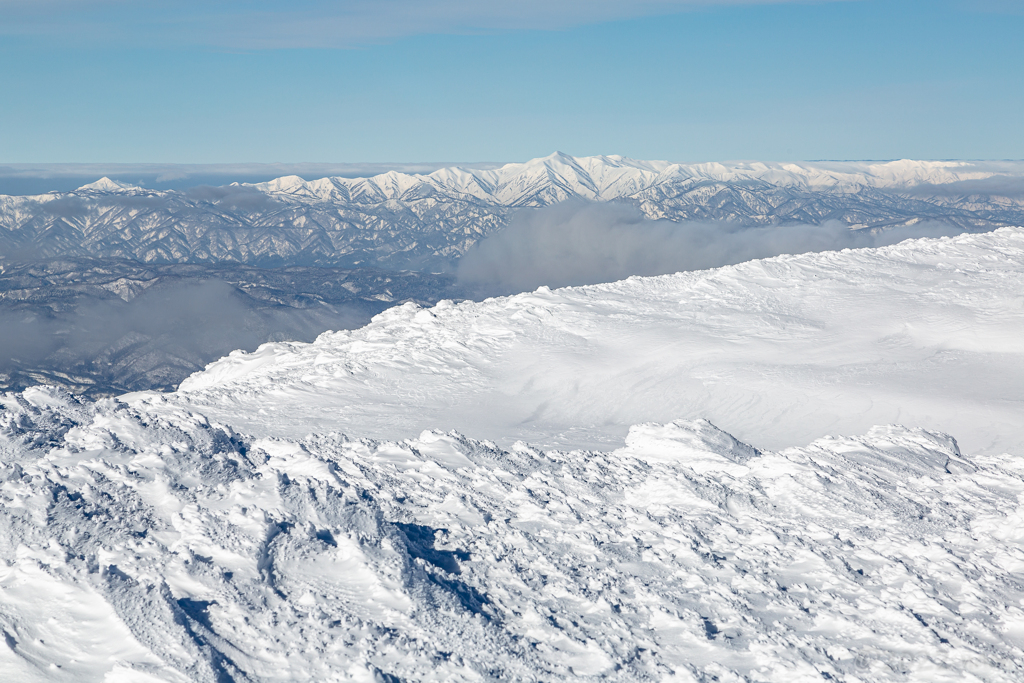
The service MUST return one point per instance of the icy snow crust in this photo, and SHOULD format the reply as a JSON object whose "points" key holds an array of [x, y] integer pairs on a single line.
{"points": [[927, 333], [158, 546], [233, 532]]}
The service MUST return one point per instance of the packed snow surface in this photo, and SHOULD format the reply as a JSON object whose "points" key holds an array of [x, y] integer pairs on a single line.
{"points": [[158, 546], [781, 351], [572, 508]]}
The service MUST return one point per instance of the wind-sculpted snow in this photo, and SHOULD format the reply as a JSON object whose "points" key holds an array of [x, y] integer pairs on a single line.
{"points": [[779, 351], [278, 519], [410, 220], [155, 545]]}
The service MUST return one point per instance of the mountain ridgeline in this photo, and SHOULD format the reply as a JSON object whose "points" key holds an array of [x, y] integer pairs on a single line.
{"points": [[402, 221], [114, 287]]}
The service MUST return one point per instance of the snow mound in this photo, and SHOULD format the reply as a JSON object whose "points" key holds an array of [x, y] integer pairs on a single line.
{"points": [[782, 351], [159, 546]]}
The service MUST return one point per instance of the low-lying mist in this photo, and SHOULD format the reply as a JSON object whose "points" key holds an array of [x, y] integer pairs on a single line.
{"points": [[580, 243], [156, 339], [106, 327]]}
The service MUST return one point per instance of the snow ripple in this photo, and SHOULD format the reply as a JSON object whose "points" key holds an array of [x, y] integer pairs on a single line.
{"points": [[157, 546]]}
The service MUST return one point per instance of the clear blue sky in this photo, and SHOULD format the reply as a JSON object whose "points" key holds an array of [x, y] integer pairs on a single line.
{"points": [[408, 80]]}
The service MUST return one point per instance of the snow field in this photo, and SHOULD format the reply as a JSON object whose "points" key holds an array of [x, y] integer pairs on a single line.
{"points": [[277, 519], [780, 351], [159, 546]]}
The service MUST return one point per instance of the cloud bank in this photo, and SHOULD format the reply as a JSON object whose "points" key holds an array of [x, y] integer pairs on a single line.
{"points": [[580, 243], [182, 318], [1011, 186], [155, 339]]}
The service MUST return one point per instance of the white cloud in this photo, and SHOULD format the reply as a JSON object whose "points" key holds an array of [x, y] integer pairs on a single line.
{"points": [[580, 243]]}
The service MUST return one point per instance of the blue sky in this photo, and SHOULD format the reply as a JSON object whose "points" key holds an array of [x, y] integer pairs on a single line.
{"points": [[182, 81]]}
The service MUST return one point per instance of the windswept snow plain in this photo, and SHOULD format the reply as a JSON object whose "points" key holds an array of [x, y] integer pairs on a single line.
{"points": [[283, 516], [927, 333]]}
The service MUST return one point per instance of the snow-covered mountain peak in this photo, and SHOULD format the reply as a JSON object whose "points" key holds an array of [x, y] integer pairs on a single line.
{"points": [[553, 160], [560, 175], [105, 184], [285, 184], [609, 177], [907, 172]]}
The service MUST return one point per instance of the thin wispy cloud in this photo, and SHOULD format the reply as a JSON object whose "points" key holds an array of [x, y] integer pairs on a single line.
{"points": [[315, 23]]}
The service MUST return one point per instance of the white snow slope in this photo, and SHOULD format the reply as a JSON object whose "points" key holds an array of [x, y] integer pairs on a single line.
{"points": [[781, 351], [231, 532]]}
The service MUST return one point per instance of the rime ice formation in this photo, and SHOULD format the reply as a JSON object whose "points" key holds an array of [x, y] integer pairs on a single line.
{"points": [[246, 528], [160, 546]]}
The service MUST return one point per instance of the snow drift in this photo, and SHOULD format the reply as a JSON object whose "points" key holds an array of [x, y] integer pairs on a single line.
{"points": [[157, 546], [780, 352]]}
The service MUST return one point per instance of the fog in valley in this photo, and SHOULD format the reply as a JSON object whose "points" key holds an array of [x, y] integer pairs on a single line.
{"points": [[113, 287], [581, 243], [104, 327]]}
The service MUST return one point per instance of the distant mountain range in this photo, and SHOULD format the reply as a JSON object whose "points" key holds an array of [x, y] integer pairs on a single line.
{"points": [[426, 222]]}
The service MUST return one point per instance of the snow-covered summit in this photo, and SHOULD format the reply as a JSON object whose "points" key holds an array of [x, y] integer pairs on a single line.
{"points": [[105, 184], [254, 525]]}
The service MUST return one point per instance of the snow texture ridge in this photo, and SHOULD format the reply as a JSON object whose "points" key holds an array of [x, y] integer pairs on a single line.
{"points": [[279, 519], [779, 351], [158, 546]]}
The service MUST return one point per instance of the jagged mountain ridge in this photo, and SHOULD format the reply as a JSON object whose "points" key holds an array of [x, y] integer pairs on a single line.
{"points": [[400, 220]]}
